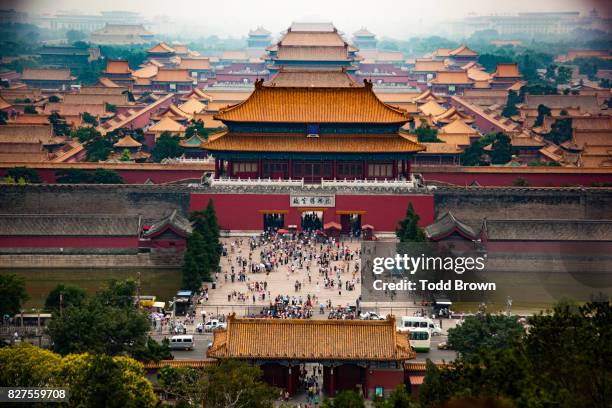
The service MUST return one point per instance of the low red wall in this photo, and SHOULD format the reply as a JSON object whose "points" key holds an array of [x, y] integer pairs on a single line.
{"points": [[242, 211], [388, 379], [68, 242]]}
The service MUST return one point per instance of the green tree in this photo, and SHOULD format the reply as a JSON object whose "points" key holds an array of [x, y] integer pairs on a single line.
{"points": [[60, 127], [196, 127], [98, 148], [510, 109], [236, 384], [560, 131], [74, 35], [528, 372], [107, 323], [105, 176], [12, 294], [28, 174], [86, 134], [345, 399], [110, 107], [564, 75], [427, 134], [72, 176], [167, 146], [543, 111], [125, 155], [89, 118], [3, 117], [501, 149], [484, 332], [472, 155], [24, 365], [196, 267], [30, 109], [105, 381], [54, 99], [520, 182], [70, 296], [230, 384], [408, 229]]}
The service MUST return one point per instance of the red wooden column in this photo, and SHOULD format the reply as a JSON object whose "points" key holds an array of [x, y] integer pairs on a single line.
{"points": [[332, 382], [394, 169], [290, 169], [230, 168], [290, 389], [216, 168], [259, 168], [364, 170], [334, 171], [408, 168]]}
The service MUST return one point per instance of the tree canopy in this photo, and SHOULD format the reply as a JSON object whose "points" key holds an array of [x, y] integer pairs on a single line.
{"points": [[562, 361], [167, 146], [93, 380], [484, 332], [427, 134], [28, 174], [12, 294], [107, 323], [408, 229], [70, 296], [232, 383]]}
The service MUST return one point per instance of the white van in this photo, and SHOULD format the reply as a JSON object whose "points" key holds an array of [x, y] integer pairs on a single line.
{"points": [[184, 342], [409, 322], [420, 339]]}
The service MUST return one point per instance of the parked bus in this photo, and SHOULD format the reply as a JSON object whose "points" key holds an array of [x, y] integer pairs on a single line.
{"points": [[420, 339]]}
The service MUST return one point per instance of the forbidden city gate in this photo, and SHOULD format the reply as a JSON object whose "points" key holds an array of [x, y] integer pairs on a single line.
{"points": [[358, 355]]}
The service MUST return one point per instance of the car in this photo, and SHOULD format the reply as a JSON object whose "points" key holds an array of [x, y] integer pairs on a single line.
{"points": [[213, 325], [184, 342], [371, 316], [443, 346]]}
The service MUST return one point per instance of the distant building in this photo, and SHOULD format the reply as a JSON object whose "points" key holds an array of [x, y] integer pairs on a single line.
{"points": [[312, 46], [525, 25], [364, 39], [88, 22], [121, 34], [68, 56], [259, 38], [48, 79]]}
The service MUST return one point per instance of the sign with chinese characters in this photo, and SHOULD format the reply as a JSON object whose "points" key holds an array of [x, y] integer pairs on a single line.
{"points": [[312, 200]]}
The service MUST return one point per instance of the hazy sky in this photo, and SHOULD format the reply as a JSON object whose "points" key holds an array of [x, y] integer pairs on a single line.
{"points": [[394, 18]]}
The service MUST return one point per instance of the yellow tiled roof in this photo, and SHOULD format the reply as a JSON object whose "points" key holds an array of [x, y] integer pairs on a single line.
{"points": [[432, 108], [167, 125], [458, 127], [463, 50], [192, 106], [274, 339], [507, 71], [172, 75], [117, 67], [313, 105], [313, 53], [127, 141], [451, 78], [161, 47], [423, 65], [194, 63], [326, 39], [291, 142]]}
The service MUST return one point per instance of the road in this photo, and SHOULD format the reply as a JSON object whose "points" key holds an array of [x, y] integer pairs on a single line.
{"points": [[201, 342], [435, 355]]}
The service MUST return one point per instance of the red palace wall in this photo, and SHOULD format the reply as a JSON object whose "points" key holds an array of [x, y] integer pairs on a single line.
{"points": [[68, 242], [243, 211], [388, 379]]}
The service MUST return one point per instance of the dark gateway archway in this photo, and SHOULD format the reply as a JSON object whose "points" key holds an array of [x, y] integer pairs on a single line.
{"points": [[355, 354]]}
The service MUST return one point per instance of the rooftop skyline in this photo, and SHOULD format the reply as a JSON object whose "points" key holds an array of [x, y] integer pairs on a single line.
{"points": [[386, 18]]}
